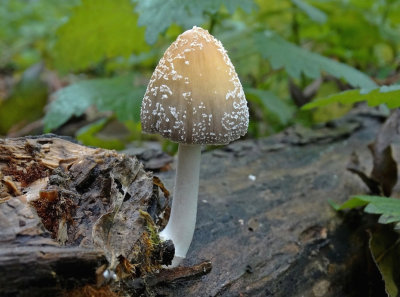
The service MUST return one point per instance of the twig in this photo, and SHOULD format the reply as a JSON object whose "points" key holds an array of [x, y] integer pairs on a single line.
{"points": [[178, 274]]}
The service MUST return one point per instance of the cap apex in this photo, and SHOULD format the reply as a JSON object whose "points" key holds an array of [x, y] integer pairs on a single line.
{"points": [[194, 95]]}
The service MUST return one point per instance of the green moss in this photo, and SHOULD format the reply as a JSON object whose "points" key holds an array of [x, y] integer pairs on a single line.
{"points": [[151, 228]]}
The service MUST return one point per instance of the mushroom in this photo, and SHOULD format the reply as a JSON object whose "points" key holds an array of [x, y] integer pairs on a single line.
{"points": [[195, 98]]}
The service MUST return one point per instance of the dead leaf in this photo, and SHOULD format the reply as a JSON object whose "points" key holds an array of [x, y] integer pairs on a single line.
{"points": [[384, 174], [384, 245], [355, 167], [385, 167], [158, 182]]}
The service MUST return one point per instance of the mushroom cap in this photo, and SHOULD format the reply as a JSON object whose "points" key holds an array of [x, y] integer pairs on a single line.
{"points": [[194, 95]]}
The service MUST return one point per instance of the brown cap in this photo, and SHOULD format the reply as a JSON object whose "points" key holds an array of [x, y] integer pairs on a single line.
{"points": [[194, 95]]}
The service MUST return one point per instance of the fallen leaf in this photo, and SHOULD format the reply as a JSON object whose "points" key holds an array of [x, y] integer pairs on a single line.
{"points": [[384, 245], [355, 167], [385, 167]]}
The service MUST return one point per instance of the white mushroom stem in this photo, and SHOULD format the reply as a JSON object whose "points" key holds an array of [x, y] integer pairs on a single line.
{"points": [[182, 221]]}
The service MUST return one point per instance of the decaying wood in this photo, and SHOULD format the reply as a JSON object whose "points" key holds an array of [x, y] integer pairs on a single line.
{"points": [[264, 221], [67, 209], [153, 284]]}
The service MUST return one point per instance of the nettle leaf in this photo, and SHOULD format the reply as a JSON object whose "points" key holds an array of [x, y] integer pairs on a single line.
{"points": [[296, 60], [232, 5], [388, 208], [98, 30], [313, 13], [108, 94], [390, 95], [158, 15], [272, 104]]}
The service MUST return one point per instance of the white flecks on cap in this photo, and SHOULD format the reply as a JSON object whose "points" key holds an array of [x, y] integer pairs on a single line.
{"points": [[194, 95]]}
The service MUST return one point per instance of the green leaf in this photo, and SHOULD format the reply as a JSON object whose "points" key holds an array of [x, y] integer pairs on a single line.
{"points": [[98, 30], [313, 13], [384, 243], [385, 251], [158, 15], [88, 136], [115, 94], [236, 38], [27, 101], [390, 95], [27, 29], [273, 105], [297, 60], [388, 208], [232, 5]]}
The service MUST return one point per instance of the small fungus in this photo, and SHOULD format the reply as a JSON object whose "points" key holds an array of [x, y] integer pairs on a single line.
{"points": [[200, 101]]}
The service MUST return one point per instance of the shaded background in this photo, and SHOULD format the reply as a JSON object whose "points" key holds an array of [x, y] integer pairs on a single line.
{"points": [[80, 68]]}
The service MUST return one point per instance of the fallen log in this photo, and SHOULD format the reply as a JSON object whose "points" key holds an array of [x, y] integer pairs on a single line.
{"points": [[264, 222], [264, 219], [68, 213]]}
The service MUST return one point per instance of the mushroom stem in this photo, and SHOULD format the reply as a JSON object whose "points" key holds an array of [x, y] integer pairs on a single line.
{"points": [[182, 221]]}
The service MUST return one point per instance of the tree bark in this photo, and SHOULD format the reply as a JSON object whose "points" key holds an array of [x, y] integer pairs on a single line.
{"points": [[69, 212], [264, 219]]}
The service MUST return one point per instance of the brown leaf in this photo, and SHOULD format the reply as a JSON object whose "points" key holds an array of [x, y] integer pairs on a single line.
{"points": [[384, 174], [355, 167], [385, 167], [158, 182], [384, 245]]}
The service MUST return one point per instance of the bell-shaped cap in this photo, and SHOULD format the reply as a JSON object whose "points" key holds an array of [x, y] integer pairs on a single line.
{"points": [[194, 95]]}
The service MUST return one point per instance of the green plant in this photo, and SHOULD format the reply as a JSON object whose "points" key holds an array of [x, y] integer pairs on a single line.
{"points": [[384, 244], [285, 52], [294, 58], [389, 95], [381, 181]]}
